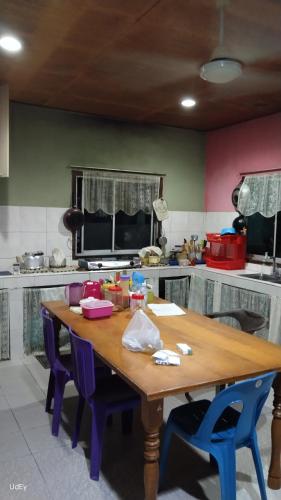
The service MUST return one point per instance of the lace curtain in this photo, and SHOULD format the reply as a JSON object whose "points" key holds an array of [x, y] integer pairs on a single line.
{"points": [[260, 193], [275, 320], [201, 295], [114, 191], [177, 291], [4, 325], [238, 298], [33, 339]]}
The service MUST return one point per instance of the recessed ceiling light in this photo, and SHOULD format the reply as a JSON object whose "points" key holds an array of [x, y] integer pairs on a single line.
{"points": [[188, 102], [10, 43]]}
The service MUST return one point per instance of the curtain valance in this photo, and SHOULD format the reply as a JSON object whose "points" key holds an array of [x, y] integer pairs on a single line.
{"points": [[114, 191], [260, 193]]}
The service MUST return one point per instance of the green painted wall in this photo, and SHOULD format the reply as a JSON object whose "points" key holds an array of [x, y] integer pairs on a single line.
{"points": [[43, 142]]}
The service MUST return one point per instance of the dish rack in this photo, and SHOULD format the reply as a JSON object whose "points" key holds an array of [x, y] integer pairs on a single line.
{"points": [[226, 252]]}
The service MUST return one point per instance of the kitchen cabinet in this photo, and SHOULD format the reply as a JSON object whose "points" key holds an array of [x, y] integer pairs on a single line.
{"points": [[207, 298], [4, 325]]}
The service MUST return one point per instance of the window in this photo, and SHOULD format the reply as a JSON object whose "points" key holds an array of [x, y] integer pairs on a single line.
{"points": [[260, 201], [260, 235], [119, 218]]}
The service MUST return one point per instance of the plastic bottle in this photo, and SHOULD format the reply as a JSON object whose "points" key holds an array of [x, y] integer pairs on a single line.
{"points": [[137, 302]]}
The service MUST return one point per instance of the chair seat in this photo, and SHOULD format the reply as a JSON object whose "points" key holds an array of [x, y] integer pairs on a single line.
{"points": [[112, 390], [190, 416]]}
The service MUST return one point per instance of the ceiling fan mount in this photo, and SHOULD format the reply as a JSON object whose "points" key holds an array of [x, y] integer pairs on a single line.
{"points": [[220, 68]]}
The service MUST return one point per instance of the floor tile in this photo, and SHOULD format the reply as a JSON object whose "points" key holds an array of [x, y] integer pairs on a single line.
{"points": [[40, 438], [12, 445], [33, 415], [4, 405], [22, 471], [8, 422]]}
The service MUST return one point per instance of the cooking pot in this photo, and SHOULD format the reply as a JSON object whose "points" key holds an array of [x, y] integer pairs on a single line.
{"points": [[31, 260]]}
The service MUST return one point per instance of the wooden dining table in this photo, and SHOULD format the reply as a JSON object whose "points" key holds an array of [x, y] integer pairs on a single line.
{"points": [[221, 354]]}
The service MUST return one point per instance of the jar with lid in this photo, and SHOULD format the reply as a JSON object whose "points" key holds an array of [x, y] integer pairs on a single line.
{"points": [[124, 284], [105, 293], [137, 302], [115, 296]]}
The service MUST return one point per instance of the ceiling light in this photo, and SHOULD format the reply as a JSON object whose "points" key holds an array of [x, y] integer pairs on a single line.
{"points": [[10, 43], [188, 102], [221, 70]]}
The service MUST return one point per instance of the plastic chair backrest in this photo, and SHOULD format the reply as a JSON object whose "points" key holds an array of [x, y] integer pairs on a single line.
{"points": [[49, 337], [249, 321], [83, 365], [252, 393]]}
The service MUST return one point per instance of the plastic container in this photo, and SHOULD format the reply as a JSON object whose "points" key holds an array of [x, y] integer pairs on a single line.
{"points": [[137, 302], [73, 293], [92, 289], [226, 252], [124, 284], [97, 309], [115, 294]]}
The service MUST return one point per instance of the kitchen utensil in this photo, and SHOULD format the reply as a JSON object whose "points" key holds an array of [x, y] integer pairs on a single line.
{"points": [[73, 219], [32, 260], [73, 293], [92, 289]]}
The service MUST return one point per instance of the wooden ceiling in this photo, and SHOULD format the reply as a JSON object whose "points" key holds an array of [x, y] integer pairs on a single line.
{"points": [[134, 60]]}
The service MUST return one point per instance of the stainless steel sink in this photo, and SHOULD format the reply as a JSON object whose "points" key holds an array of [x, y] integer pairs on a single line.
{"points": [[264, 277]]}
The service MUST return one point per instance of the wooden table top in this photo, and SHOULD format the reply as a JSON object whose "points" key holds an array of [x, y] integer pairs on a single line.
{"points": [[220, 353]]}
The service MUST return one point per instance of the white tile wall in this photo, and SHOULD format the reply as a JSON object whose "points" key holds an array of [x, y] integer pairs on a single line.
{"points": [[27, 229], [41, 228]]}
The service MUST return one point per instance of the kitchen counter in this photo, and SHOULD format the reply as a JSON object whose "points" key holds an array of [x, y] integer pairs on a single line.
{"points": [[15, 284]]}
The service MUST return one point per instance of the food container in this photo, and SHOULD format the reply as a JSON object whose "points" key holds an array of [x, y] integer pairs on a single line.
{"points": [[124, 284], [153, 260], [97, 309], [73, 293], [116, 297]]}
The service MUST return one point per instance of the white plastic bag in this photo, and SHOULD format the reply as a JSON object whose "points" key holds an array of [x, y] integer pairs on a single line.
{"points": [[141, 334]]}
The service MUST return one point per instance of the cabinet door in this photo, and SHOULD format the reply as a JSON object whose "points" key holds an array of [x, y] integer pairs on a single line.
{"points": [[4, 325]]}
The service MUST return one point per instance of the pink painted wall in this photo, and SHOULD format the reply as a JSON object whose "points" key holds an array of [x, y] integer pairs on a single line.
{"points": [[246, 147]]}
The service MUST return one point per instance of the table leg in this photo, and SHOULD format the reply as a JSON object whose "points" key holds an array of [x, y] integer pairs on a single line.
{"points": [[152, 418], [274, 474]]}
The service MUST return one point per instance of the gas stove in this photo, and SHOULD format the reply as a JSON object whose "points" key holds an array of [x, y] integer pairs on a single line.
{"points": [[106, 265]]}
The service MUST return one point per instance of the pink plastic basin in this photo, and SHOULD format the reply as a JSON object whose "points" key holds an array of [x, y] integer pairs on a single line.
{"points": [[99, 311]]}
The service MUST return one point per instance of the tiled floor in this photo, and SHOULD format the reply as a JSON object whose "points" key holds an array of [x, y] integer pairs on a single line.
{"points": [[50, 469]]}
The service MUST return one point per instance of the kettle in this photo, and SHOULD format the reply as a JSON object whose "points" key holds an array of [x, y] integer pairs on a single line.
{"points": [[92, 289], [73, 293]]}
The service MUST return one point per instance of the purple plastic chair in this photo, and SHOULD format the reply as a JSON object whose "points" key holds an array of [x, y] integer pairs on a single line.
{"points": [[61, 370], [109, 395]]}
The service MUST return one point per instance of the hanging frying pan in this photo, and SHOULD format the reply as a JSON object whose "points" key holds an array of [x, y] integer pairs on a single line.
{"points": [[235, 194], [73, 219]]}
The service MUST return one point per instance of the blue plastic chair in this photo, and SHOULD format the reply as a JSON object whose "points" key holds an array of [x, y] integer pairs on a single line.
{"points": [[60, 370], [219, 429], [104, 396]]}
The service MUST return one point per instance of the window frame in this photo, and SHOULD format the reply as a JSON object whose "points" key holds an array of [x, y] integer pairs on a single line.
{"points": [[155, 227]]}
